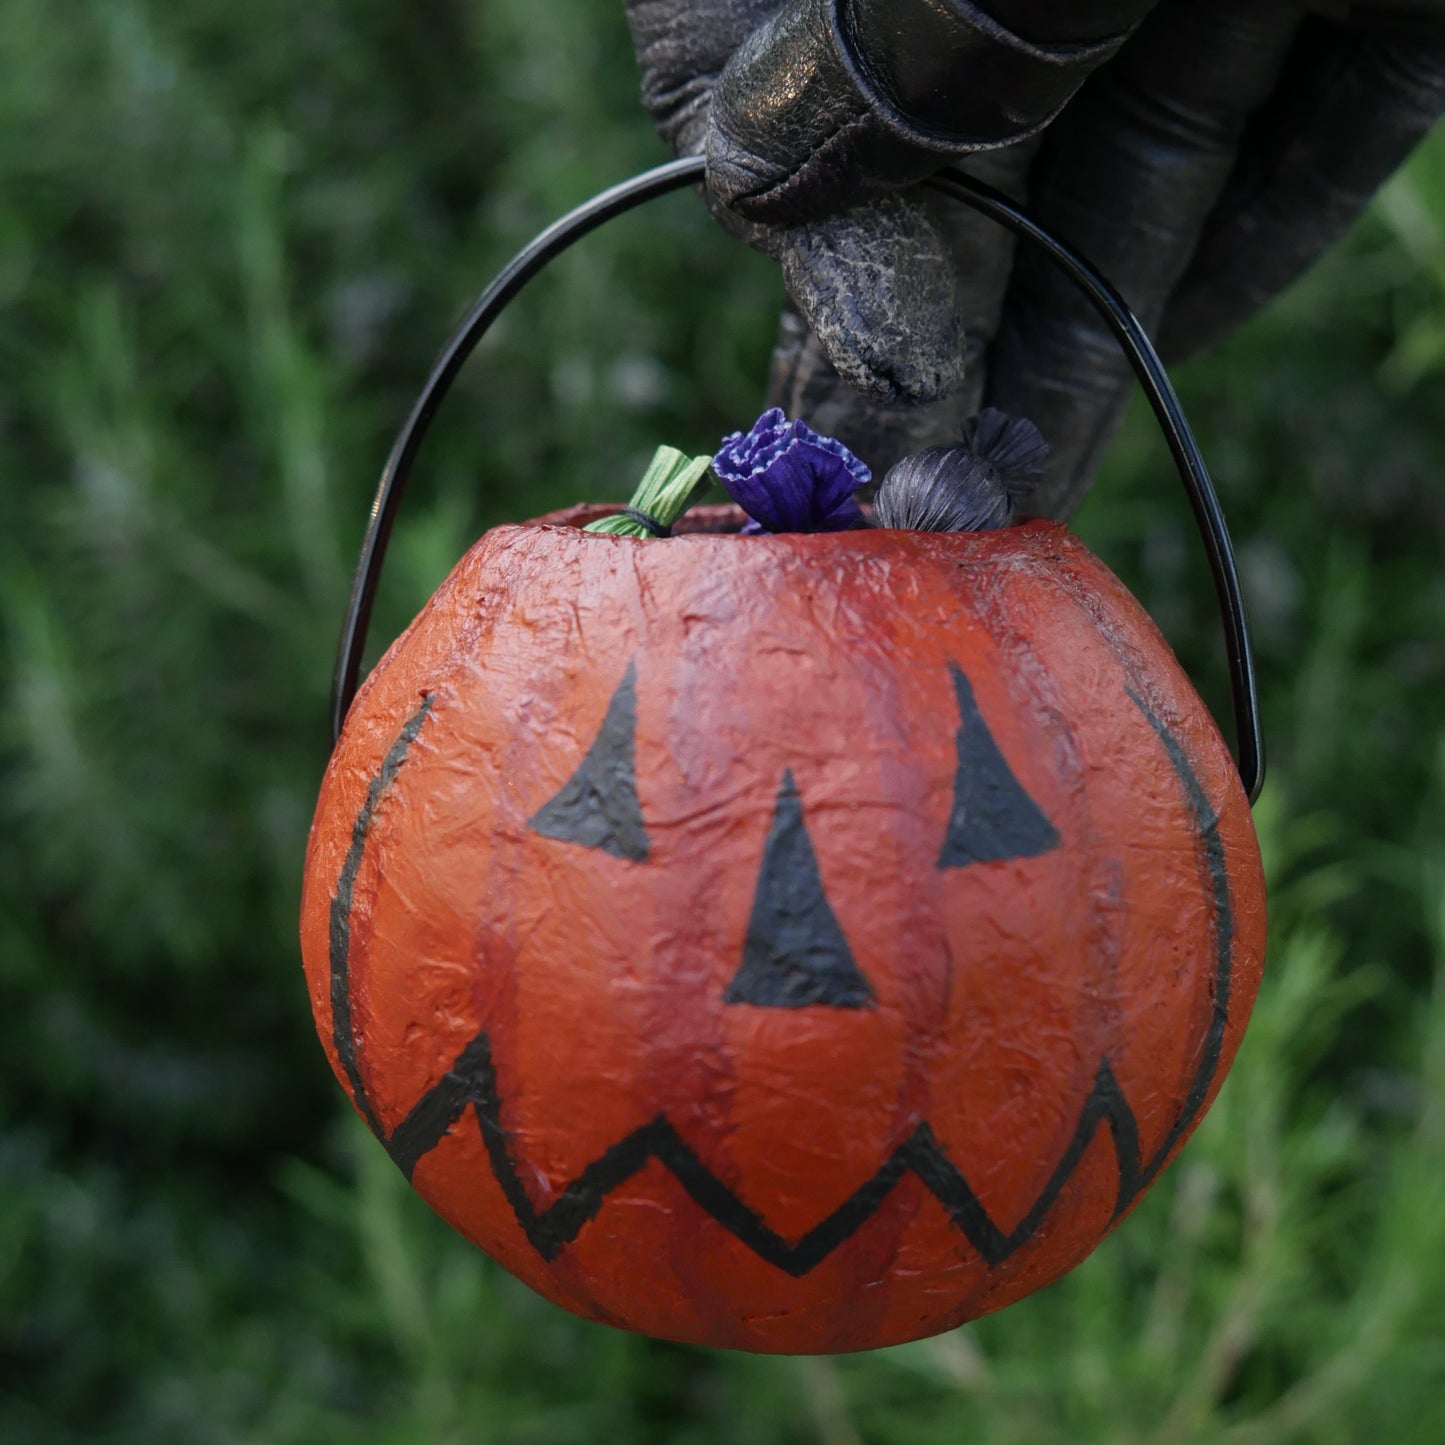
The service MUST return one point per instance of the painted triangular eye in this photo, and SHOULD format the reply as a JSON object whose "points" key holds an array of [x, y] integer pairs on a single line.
{"points": [[795, 953], [597, 806], [993, 816]]}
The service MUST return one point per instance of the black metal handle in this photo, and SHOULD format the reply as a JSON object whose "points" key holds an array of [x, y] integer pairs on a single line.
{"points": [[674, 176]]}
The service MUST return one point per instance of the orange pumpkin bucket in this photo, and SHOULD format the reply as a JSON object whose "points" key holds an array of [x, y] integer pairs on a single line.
{"points": [[798, 942]]}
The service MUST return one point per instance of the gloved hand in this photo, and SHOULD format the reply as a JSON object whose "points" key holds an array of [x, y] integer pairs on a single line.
{"points": [[1201, 152]]}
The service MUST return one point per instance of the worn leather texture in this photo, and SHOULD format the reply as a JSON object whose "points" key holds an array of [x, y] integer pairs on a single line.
{"points": [[1201, 152], [830, 102]]}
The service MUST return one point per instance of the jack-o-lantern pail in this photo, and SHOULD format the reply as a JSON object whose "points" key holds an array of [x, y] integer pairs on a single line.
{"points": [[789, 942]]}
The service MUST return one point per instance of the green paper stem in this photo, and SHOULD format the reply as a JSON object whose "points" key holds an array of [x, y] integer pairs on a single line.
{"points": [[670, 486]]}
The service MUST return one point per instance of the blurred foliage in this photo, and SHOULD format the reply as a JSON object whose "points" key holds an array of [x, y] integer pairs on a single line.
{"points": [[231, 240]]}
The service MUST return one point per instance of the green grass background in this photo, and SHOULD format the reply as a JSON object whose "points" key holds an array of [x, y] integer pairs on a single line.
{"points": [[231, 239]]}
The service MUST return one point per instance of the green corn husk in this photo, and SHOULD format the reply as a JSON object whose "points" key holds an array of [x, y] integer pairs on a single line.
{"points": [[672, 483]]}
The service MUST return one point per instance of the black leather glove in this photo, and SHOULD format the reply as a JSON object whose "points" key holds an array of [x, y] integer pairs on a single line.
{"points": [[1200, 152]]}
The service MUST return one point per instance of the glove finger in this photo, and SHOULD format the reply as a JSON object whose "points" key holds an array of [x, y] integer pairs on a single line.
{"points": [[1127, 175], [681, 50], [978, 254], [874, 283], [1352, 104], [829, 104], [983, 255]]}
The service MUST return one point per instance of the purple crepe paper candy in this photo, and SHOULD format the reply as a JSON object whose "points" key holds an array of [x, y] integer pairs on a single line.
{"points": [[789, 479]]}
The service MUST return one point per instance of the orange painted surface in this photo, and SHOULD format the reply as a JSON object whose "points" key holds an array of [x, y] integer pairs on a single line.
{"points": [[539, 1026]]}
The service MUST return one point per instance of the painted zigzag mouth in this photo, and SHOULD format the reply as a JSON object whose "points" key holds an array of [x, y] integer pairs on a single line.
{"points": [[472, 1083]]}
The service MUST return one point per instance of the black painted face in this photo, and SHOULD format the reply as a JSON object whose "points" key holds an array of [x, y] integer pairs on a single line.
{"points": [[795, 954]]}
